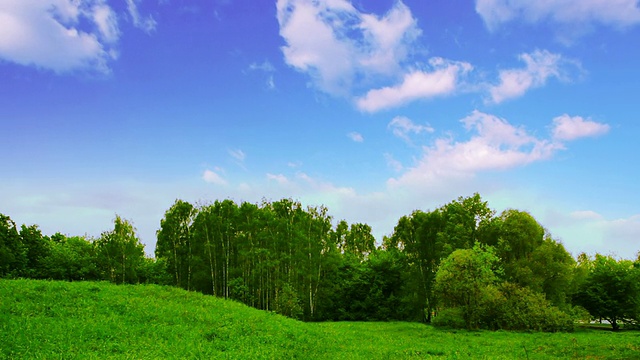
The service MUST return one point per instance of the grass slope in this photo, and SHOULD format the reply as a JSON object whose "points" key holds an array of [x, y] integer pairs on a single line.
{"points": [[55, 320]]}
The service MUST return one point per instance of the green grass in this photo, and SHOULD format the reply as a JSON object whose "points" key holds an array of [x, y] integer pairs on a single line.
{"points": [[59, 320]]}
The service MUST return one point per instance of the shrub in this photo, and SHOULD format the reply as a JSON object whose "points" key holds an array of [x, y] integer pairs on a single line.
{"points": [[524, 309], [451, 318]]}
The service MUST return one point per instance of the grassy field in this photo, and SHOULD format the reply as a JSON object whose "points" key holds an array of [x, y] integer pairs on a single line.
{"points": [[59, 320]]}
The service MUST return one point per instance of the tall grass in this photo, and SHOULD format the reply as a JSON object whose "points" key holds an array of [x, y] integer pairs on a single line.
{"points": [[60, 320]]}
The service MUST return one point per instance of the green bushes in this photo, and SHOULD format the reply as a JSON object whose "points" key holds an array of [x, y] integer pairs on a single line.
{"points": [[452, 318], [514, 308], [473, 298], [523, 309]]}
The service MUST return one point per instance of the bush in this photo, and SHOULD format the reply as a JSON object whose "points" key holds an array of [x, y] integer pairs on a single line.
{"points": [[579, 314], [451, 318], [524, 309], [510, 307]]}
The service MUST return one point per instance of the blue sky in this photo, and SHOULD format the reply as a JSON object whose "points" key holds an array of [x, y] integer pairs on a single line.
{"points": [[372, 108]]}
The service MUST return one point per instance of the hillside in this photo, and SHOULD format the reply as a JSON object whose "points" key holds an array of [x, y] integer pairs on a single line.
{"points": [[48, 319]]}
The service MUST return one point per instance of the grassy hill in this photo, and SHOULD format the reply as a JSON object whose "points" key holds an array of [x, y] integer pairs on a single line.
{"points": [[49, 320]]}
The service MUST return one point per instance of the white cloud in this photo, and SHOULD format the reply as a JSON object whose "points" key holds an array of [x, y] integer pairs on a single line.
{"points": [[416, 85], [357, 137], [336, 44], [617, 13], [46, 34], [238, 154], [591, 232], [539, 66], [567, 128], [107, 23], [403, 127], [146, 24], [393, 163], [586, 215], [387, 38], [63, 35], [279, 178], [267, 68], [213, 178], [495, 144]]}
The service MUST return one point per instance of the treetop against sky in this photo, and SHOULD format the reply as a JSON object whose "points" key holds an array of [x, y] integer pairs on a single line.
{"points": [[372, 108]]}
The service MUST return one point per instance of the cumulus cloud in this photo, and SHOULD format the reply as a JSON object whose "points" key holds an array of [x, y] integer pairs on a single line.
{"points": [[357, 137], [47, 34], [213, 177], [495, 144], [415, 85], [616, 13], [403, 127], [336, 44], [567, 128], [62, 35], [539, 67]]}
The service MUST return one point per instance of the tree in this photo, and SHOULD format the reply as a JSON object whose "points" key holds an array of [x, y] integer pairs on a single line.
{"points": [[611, 291], [70, 258], [417, 236], [466, 280], [359, 241], [553, 268], [287, 302], [174, 242], [13, 258], [36, 250], [463, 221], [120, 253]]}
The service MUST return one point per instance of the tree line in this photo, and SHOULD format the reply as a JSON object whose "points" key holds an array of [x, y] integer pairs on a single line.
{"points": [[460, 265]]}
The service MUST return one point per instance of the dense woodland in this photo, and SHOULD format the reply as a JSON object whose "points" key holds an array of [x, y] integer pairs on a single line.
{"points": [[461, 265]]}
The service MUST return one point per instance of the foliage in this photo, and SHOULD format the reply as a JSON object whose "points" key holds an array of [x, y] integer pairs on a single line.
{"points": [[451, 318], [248, 252], [71, 258], [174, 242], [466, 280], [467, 284], [119, 253], [36, 249], [12, 253], [523, 309], [287, 302], [611, 291]]}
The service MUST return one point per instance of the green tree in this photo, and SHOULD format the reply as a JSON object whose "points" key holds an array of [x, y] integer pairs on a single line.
{"points": [[467, 280], [611, 291], [70, 258], [287, 302], [174, 242], [463, 221], [417, 236], [553, 268], [119, 253], [13, 258], [36, 250]]}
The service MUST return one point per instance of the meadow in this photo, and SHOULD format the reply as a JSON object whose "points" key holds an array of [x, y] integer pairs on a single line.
{"points": [[99, 320]]}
